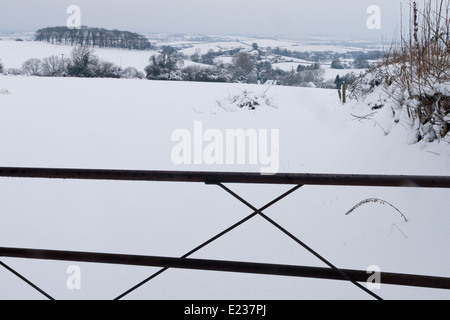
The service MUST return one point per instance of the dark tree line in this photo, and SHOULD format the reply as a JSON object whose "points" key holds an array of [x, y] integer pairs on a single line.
{"points": [[93, 37], [292, 54], [327, 55]]}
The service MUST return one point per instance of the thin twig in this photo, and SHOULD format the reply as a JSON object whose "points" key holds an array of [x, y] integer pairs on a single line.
{"points": [[394, 225], [368, 117], [375, 200]]}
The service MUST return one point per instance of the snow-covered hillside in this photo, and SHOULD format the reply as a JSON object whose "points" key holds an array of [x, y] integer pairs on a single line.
{"points": [[14, 53], [128, 124]]}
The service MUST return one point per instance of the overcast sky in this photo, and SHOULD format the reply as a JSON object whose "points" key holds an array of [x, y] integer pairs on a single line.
{"points": [[340, 18]]}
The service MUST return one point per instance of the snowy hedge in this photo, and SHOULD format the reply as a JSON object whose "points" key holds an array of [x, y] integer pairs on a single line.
{"points": [[413, 78]]}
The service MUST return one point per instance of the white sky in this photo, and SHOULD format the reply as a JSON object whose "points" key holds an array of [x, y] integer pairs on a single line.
{"points": [[341, 18]]}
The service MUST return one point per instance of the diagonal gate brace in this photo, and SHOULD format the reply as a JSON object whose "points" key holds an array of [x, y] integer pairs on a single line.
{"points": [[290, 235], [255, 213]]}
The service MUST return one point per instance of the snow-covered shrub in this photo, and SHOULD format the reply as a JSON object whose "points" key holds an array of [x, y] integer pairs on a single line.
{"points": [[132, 73], [329, 84], [303, 78], [1, 67], [165, 66], [107, 69], [372, 79], [349, 79], [84, 63], [205, 74], [14, 72], [245, 100]]}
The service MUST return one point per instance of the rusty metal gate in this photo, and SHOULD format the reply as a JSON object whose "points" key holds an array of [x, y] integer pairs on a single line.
{"points": [[219, 179]]}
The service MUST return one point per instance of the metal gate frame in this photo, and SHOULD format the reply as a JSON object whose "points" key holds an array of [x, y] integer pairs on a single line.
{"points": [[214, 178]]}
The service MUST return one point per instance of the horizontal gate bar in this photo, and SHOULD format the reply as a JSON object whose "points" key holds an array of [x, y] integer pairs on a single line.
{"points": [[231, 177], [225, 266]]}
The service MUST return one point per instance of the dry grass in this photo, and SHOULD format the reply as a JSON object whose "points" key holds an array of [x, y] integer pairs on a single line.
{"points": [[419, 66]]}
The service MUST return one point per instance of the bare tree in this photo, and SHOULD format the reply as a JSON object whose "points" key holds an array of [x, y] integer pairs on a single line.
{"points": [[32, 67], [52, 66]]}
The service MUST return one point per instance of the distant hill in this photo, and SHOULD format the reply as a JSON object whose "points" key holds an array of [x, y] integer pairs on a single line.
{"points": [[94, 37]]}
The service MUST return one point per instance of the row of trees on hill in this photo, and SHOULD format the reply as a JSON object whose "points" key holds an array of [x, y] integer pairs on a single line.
{"points": [[327, 55], [83, 63], [93, 37]]}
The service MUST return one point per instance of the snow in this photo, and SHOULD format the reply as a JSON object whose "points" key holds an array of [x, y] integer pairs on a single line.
{"points": [[127, 124], [14, 54], [330, 74], [320, 48], [223, 59], [239, 42], [214, 46], [268, 42], [289, 66]]}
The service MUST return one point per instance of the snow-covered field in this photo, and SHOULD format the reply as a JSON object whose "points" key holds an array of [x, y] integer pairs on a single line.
{"points": [[15, 53], [230, 42], [127, 124], [330, 74]]}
